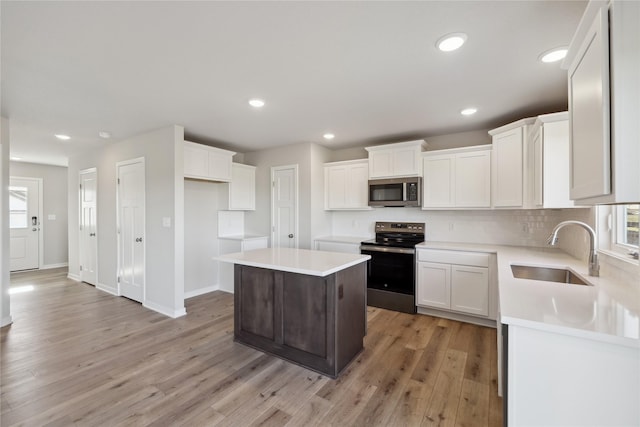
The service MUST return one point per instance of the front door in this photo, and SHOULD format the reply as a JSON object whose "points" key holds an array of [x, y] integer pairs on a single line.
{"points": [[24, 223], [88, 226], [131, 226], [284, 202]]}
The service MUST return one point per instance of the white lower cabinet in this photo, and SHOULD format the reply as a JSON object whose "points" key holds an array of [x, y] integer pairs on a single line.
{"points": [[453, 280], [557, 379]]}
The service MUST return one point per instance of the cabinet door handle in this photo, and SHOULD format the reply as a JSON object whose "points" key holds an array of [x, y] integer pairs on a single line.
{"points": [[138, 239], [291, 236]]}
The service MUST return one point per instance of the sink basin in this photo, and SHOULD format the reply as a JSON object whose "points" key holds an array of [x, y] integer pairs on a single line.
{"points": [[547, 274]]}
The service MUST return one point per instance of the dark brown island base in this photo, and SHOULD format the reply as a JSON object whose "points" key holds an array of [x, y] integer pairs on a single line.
{"points": [[307, 307]]}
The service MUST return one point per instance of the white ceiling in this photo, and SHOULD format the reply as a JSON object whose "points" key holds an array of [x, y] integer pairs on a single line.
{"points": [[367, 71]]}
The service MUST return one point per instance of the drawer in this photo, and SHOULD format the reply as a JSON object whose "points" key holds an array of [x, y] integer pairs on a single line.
{"points": [[477, 259]]}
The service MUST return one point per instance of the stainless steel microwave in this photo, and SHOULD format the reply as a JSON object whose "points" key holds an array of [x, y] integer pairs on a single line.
{"points": [[395, 192]]}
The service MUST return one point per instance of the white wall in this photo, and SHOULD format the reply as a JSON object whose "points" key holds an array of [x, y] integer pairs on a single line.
{"points": [[5, 303], [460, 139], [164, 258], [202, 201], [259, 221], [54, 188]]}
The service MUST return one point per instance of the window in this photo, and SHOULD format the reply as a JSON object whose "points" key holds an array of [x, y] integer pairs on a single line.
{"points": [[627, 226], [18, 207], [617, 227]]}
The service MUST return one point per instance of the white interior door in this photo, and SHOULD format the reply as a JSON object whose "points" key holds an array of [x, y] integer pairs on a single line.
{"points": [[88, 226], [284, 202], [131, 229], [25, 210]]}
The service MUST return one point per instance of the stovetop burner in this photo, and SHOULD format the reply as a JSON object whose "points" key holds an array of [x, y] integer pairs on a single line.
{"points": [[397, 234]]}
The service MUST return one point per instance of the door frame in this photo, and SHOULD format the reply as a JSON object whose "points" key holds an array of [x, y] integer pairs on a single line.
{"points": [[80, 173], [274, 169], [40, 215], [118, 234]]}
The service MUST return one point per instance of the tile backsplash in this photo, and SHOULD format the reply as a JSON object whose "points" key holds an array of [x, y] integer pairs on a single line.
{"points": [[504, 227]]}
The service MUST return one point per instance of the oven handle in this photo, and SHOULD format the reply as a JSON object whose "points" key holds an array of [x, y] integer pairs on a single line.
{"points": [[387, 249]]}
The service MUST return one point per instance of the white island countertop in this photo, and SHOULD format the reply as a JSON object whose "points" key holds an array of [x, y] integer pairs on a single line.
{"points": [[303, 261], [606, 311]]}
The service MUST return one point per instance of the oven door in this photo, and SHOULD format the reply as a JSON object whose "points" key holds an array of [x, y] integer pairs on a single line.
{"points": [[390, 269]]}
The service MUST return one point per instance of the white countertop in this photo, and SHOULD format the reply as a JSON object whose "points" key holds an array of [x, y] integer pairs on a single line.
{"points": [[303, 261], [607, 311], [342, 239], [243, 237]]}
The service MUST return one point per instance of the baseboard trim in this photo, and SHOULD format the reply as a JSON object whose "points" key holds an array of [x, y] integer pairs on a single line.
{"points": [[457, 316], [201, 291], [6, 321], [73, 277], [108, 289], [58, 265], [165, 310]]}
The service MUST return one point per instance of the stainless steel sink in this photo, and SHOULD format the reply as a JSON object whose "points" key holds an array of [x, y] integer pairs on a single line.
{"points": [[547, 274]]}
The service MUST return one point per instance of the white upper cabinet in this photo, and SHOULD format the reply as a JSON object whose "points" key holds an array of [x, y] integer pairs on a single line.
{"points": [[508, 162], [242, 188], [589, 106], [396, 160], [548, 162], [603, 65], [457, 178], [346, 185], [207, 163]]}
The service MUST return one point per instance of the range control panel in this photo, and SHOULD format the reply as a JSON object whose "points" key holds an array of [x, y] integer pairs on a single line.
{"points": [[399, 227]]}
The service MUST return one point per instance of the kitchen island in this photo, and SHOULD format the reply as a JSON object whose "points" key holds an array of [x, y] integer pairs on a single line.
{"points": [[307, 307]]}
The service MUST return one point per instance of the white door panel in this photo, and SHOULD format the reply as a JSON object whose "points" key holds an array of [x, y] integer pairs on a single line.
{"points": [[24, 223], [88, 226], [284, 217], [131, 226]]}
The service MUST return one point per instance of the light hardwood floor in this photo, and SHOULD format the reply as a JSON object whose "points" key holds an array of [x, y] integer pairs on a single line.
{"points": [[78, 356]]}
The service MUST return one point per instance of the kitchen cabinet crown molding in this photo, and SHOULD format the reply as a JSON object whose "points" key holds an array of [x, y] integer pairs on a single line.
{"points": [[467, 149], [419, 142], [346, 162], [520, 123], [553, 117]]}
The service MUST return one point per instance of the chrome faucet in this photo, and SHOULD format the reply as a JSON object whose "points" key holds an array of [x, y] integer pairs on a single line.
{"points": [[594, 267]]}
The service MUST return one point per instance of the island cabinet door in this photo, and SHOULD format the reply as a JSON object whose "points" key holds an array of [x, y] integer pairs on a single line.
{"points": [[255, 308], [308, 316]]}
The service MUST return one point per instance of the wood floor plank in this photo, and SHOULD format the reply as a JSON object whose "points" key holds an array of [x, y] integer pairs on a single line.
{"points": [[78, 356], [473, 409], [444, 403]]}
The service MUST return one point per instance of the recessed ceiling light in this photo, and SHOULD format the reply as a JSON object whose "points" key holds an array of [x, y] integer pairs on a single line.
{"points": [[16, 158], [62, 137], [104, 134], [451, 41], [553, 55], [328, 136], [257, 103], [468, 111]]}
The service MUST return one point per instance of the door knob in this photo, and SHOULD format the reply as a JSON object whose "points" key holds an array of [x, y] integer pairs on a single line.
{"points": [[291, 236]]}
